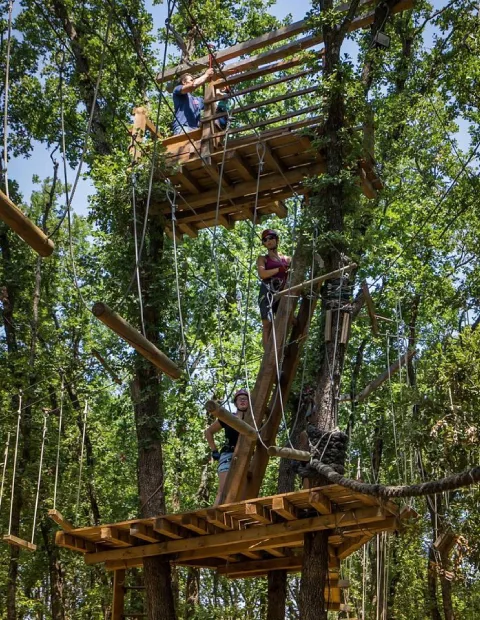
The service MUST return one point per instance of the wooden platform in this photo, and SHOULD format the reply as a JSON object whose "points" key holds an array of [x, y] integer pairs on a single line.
{"points": [[245, 539]]}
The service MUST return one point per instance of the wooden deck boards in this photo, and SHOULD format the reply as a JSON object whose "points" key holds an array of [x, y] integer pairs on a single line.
{"points": [[250, 531]]}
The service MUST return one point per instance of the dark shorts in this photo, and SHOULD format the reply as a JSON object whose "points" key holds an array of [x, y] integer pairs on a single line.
{"points": [[264, 300]]}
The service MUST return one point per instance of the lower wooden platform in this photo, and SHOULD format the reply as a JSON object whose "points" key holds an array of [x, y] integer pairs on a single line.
{"points": [[244, 539]]}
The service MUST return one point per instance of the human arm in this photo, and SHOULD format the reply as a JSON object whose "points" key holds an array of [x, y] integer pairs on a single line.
{"points": [[263, 273], [210, 432], [189, 87]]}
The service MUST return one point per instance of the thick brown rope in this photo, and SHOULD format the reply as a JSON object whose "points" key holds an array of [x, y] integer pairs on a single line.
{"points": [[433, 487]]}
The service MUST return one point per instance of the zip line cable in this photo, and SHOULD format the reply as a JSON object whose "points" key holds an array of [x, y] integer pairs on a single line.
{"points": [[6, 91], [4, 470], [44, 433], [57, 464], [19, 417]]}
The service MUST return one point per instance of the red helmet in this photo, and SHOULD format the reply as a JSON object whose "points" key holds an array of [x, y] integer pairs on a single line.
{"points": [[241, 392], [269, 231]]}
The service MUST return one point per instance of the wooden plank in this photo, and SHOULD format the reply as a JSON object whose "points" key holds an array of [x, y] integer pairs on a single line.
{"points": [[188, 230], [350, 546], [246, 536], [74, 543], [289, 453], [135, 339], [25, 228], [118, 604], [60, 520], [316, 281], [241, 166], [257, 513], [284, 508], [145, 532], [116, 537], [218, 519], [275, 119], [345, 328], [278, 98], [15, 541], [278, 207], [320, 502], [370, 307], [187, 181], [166, 528], [225, 416], [119, 564], [195, 524]]}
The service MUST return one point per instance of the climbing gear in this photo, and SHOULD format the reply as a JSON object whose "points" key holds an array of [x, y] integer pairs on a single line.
{"points": [[269, 232], [215, 455], [240, 392]]}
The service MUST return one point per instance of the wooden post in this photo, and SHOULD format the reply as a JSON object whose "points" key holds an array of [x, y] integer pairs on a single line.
{"points": [[345, 328], [370, 308], [138, 130], [26, 229], [118, 605], [208, 128], [289, 453], [319, 280], [328, 326], [239, 425], [135, 339]]}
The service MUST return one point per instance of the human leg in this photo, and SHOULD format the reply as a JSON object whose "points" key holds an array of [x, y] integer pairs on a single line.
{"points": [[223, 467]]}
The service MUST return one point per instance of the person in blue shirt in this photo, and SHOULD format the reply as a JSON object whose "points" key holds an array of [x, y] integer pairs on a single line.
{"points": [[188, 107]]}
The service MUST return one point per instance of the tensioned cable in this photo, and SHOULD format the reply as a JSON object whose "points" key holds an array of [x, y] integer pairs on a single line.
{"points": [[44, 434], [57, 464], [137, 258], [85, 413], [5, 108], [19, 416], [5, 460]]}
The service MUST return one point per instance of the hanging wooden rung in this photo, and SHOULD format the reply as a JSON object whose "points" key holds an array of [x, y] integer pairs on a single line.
{"points": [[19, 542], [345, 327], [25, 228], [135, 339], [328, 326], [224, 415], [326, 276], [370, 308], [60, 520], [289, 453]]}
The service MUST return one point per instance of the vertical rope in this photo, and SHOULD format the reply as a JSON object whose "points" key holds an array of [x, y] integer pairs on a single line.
{"points": [[137, 266], [57, 465], [5, 107], [15, 462], [5, 458], [39, 476], [85, 412]]}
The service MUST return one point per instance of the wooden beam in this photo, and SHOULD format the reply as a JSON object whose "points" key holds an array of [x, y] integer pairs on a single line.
{"points": [[315, 281], [218, 519], [118, 604], [75, 543], [292, 562], [289, 453], [278, 207], [25, 228], [187, 181], [15, 541], [188, 230], [119, 564], [241, 166], [167, 528], [284, 508], [225, 416], [60, 520], [370, 307], [352, 545], [195, 524], [253, 534], [283, 97], [135, 339], [320, 502], [145, 532], [258, 513], [275, 119], [115, 536], [376, 383]]}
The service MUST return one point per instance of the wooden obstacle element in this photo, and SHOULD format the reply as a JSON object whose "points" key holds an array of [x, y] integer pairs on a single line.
{"points": [[226, 416], [370, 308], [25, 228], [60, 520], [445, 542], [376, 383], [304, 286], [265, 526], [15, 541], [289, 453], [107, 366], [136, 340], [263, 158]]}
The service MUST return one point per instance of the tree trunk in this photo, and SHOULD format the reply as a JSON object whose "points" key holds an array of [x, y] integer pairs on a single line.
{"points": [[277, 594], [432, 602], [54, 572], [314, 576]]}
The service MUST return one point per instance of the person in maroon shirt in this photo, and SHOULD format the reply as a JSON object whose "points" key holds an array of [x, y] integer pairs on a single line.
{"points": [[272, 270], [241, 401]]}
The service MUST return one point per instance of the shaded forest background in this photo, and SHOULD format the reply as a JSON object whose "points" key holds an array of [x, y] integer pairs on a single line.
{"points": [[76, 71]]}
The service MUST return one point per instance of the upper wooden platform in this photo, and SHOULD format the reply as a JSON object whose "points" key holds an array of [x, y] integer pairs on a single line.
{"points": [[244, 539], [276, 115]]}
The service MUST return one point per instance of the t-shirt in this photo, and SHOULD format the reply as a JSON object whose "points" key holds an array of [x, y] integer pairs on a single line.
{"points": [[231, 437], [188, 109]]}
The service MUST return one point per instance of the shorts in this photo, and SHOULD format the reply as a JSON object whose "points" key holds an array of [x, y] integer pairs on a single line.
{"points": [[224, 462], [266, 312]]}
